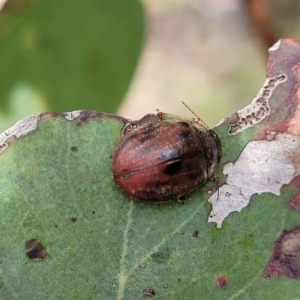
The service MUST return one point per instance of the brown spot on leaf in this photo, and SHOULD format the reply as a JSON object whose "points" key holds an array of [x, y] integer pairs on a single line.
{"points": [[148, 291], [161, 256], [89, 115], [294, 201], [35, 250], [51, 115], [195, 233], [74, 148], [86, 116], [73, 219], [283, 260], [221, 281]]}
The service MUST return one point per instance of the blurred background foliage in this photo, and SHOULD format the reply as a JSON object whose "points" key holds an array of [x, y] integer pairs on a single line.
{"points": [[66, 55], [96, 54]]}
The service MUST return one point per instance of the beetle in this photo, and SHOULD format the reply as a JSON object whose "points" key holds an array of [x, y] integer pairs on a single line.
{"points": [[158, 160]]}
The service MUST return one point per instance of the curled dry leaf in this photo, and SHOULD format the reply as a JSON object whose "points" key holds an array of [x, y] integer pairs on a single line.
{"points": [[271, 127]]}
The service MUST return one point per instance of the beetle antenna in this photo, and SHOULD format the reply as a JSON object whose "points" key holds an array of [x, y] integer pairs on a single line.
{"points": [[198, 118]]}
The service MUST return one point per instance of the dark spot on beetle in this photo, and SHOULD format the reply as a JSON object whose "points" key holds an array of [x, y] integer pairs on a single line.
{"points": [[147, 138], [183, 135], [148, 291], [161, 257], [35, 250], [195, 233], [73, 219], [73, 148], [284, 260], [221, 281], [148, 129], [172, 168]]}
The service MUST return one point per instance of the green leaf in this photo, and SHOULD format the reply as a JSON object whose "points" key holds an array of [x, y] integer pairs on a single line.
{"points": [[78, 55], [67, 232]]}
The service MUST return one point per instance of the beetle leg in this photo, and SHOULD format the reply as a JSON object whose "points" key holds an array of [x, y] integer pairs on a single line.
{"points": [[181, 199]]}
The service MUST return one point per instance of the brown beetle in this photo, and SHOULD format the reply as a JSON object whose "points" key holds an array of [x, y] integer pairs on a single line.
{"points": [[158, 160]]}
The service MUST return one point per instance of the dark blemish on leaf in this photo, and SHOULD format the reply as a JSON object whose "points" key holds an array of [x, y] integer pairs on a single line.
{"points": [[195, 233], [52, 115], [73, 219], [148, 291], [55, 225], [86, 116], [294, 201], [91, 115], [221, 281], [284, 259], [73, 148], [161, 257], [93, 212], [35, 250], [179, 280]]}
